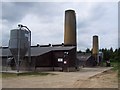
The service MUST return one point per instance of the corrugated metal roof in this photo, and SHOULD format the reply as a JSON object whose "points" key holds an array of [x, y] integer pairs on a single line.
{"points": [[63, 48], [83, 56], [35, 51]]}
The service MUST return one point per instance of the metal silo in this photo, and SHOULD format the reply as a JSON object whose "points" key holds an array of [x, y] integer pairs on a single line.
{"points": [[70, 28], [19, 44]]}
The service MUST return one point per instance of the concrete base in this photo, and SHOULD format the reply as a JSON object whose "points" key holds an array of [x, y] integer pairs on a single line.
{"points": [[15, 72], [70, 69], [41, 69]]}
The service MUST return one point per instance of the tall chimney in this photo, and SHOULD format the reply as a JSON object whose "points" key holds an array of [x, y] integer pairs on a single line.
{"points": [[95, 45], [95, 50], [70, 28]]}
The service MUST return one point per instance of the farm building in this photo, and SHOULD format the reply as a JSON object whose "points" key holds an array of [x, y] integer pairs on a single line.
{"points": [[52, 57], [86, 59], [20, 55]]}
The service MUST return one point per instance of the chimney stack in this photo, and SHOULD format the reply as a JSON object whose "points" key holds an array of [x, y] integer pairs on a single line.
{"points": [[70, 28], [95, 45], [95, 50]]}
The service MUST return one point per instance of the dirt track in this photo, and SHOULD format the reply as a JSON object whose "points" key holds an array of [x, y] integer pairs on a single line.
{"points": [[104, 80], [85, 78]]}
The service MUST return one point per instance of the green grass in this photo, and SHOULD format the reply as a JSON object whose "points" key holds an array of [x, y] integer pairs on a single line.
{"points": [[0, 75], [7, 75], [119, 71], [115, 66]]}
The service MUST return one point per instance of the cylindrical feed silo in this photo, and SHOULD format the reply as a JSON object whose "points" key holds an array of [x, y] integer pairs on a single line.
{"points": [[18, 44], [70, 28]]}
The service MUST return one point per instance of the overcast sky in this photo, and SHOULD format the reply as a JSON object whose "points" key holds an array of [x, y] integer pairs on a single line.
{"points": [[46, 22]]}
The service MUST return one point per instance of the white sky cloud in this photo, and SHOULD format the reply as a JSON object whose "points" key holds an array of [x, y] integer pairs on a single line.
{"points": [[61, 0], [46, 21]]}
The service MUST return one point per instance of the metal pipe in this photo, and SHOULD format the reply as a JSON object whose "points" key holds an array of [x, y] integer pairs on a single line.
{"points": [[18, 50], [29, 48]]}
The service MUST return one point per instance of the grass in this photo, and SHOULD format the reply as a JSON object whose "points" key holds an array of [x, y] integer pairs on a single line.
{"points": [[7, 75], [119, 71], [115, 66], [0, 75]]}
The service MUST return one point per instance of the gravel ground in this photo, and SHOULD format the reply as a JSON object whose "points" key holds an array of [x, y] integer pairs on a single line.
{"points": [[85, 78]]}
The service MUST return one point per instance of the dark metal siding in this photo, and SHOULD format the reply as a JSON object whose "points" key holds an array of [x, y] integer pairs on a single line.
{"points": [[44, 60], [50, 59]]}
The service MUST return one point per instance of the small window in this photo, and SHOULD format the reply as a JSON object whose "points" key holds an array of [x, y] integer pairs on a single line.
{"points": [[60, 59]]}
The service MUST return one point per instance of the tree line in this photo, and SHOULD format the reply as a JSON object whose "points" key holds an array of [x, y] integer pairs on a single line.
{"points": [[112, 55]]}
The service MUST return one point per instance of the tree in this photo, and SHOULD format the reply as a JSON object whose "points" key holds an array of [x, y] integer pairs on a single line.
{"points": [[88, 50], [110, 54], [79, 51]]}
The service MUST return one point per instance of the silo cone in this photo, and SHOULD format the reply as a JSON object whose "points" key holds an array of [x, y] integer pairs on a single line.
{"points": [[70, 28], [95, 49]]}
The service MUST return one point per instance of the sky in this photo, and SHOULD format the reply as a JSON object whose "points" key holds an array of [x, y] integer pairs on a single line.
{"points": [[46, 22]]}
